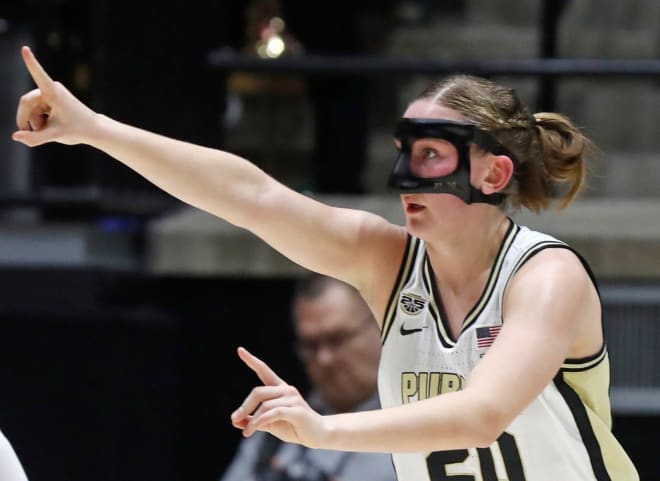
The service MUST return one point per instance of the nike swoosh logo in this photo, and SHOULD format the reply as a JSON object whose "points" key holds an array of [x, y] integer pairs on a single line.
{"points": [[405, 332]]}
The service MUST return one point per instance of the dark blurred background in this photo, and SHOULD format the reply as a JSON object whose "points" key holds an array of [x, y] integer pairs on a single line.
{"points": [[121, 308]]}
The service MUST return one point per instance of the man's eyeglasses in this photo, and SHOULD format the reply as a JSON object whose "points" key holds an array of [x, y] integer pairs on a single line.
{"points": [[309, 348]]}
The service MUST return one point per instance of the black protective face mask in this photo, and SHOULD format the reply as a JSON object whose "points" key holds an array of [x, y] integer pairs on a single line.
{"points": [[461, 136]]}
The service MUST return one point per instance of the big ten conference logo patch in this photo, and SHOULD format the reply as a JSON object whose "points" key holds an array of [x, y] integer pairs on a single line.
{"points": [[412, 303]]}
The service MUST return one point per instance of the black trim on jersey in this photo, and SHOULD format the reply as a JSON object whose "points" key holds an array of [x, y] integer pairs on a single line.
{"points": [[402, 277], [442, 322], [584, 427], [585, 363], [551, 244], [496, 268], [587, 268], [437, 310], [482, 302], [531, 252], [561, 245]]}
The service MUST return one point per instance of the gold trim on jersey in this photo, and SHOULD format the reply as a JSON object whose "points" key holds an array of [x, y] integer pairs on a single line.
{"points": [[409, 254], [584, 386]]}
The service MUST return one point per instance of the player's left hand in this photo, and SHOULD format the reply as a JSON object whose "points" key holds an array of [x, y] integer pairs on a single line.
{"points": [[50, 113], [277, 408]]}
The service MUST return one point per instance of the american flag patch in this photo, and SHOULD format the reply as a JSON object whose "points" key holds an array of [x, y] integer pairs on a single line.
{"points": [[486, 335]]}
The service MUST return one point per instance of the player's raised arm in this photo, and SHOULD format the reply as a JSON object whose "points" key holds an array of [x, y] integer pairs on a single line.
{"points": [[339, 242]]}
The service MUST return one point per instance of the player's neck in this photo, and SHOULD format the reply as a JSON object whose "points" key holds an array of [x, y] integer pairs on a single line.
{"points": [[463, 259]]}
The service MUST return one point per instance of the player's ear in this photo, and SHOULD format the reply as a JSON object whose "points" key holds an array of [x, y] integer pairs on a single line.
{"points": [[498, 175]]}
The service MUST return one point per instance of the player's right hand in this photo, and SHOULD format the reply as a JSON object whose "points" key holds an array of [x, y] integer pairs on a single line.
{"points": [[277, 408]]}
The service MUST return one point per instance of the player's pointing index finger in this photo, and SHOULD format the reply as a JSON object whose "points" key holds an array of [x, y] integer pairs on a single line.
{"points": [[41, 78], [265, 373]]}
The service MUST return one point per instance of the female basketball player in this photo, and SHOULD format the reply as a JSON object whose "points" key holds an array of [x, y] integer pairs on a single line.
{"points": [[494, 364]]}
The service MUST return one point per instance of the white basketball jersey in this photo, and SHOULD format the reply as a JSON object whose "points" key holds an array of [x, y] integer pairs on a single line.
{"points": [[565, 434]]}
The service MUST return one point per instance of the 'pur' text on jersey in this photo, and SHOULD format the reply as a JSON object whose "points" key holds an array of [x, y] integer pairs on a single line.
{"points": [[416, 386]]}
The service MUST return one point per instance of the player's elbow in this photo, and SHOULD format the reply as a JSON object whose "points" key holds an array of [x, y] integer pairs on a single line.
{"points": [[483, 436], [486, 436], [253, 204], [489, 424]]}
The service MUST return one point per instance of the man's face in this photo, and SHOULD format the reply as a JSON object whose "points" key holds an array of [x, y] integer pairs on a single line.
{"points": [[339, 344]]}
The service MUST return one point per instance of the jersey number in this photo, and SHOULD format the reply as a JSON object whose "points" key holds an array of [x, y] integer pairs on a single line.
{"points": [[437, 462]]}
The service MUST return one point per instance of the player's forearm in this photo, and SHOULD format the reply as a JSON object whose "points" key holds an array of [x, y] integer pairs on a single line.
{"points": [[454, 422], [210, 179]]}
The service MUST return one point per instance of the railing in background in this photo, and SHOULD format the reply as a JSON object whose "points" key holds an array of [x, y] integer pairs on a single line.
{"points": [[225, 61]]}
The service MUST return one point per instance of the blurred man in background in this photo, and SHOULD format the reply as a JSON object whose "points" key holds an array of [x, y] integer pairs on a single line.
{"points": [[338, 341]]}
